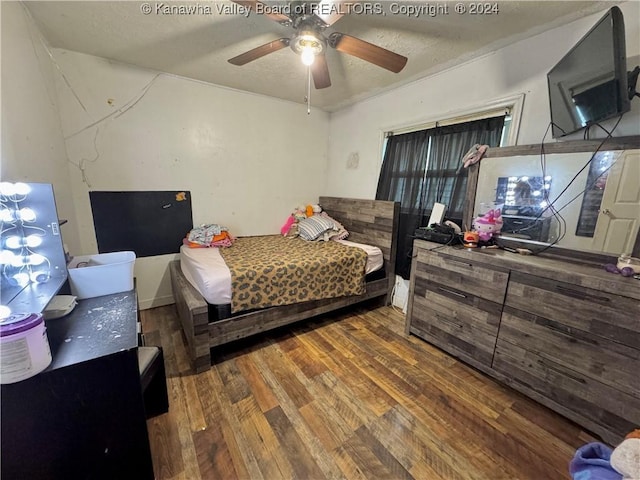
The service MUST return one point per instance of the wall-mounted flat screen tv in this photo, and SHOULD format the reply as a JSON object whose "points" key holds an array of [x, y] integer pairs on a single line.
{"points": [[589, 84]]}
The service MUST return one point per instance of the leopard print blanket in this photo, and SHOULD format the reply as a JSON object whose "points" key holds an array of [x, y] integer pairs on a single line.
{"points": [[272, 270]]}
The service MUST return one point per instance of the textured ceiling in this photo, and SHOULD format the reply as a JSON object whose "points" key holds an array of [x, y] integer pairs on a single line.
{"points": [[198, 45]]}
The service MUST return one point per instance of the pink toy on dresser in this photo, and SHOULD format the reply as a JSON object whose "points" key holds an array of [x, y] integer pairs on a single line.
{"points": [[489, 224]]}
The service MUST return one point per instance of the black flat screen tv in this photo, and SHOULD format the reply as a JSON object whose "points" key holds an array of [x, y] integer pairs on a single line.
{"points": [[589, 84]]}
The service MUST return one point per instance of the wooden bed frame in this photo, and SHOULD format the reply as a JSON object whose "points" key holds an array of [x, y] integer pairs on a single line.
{"points": [[374, 222]]}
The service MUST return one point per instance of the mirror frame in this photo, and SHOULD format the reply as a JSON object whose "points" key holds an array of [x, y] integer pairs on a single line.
{"points": [[572, 146]]}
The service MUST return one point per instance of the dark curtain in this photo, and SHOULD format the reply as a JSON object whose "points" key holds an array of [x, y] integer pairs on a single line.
{"points": [[402, 180], [419, 169]]}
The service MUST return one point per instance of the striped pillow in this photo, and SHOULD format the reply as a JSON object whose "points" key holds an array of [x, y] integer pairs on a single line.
{"points": [[313, 227]]}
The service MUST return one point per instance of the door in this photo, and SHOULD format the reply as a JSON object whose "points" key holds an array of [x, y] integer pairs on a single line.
{"points": [[619, 216]]}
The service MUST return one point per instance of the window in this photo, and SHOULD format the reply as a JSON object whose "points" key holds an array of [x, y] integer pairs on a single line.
{"points": [[423, 167]]}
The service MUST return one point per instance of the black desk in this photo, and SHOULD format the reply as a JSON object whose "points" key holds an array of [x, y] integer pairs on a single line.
{"points": [[83, 417]]}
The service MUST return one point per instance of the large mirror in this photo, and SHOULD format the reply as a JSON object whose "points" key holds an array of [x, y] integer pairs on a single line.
{"points": [[566, 196]]}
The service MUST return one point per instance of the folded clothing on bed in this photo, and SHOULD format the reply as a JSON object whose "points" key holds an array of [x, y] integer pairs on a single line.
{"points": [[207, 271], [211, 235]]}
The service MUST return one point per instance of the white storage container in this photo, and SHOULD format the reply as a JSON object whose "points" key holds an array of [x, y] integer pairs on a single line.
{"points": [[102, 274]]}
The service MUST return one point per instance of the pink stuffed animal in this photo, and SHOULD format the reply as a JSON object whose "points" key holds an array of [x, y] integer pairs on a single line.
{"points": [[489, 224], [287, 225]]}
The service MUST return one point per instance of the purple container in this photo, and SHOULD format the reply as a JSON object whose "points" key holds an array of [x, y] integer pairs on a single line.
{"points": [[24, 347], [19, 322]]}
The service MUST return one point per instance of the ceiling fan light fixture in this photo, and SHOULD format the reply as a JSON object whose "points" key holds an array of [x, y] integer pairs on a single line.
{"points": [[308, 56], [307, 45]]}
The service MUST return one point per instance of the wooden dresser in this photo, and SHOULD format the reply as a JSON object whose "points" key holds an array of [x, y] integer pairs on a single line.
{"points": [[565, 334]]}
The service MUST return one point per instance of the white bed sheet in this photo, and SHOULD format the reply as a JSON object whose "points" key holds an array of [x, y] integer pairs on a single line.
{"points": [[206, 270]]}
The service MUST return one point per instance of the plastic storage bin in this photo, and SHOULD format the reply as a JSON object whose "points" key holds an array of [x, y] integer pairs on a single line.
{"points": [[103, 274]]}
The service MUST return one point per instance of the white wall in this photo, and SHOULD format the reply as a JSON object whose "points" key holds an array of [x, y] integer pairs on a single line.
{"points": [[33, 148], [518, 68], [247, 160]]}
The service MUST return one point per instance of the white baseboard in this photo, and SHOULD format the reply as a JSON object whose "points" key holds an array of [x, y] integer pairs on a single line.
{"points": [[156, 302]]}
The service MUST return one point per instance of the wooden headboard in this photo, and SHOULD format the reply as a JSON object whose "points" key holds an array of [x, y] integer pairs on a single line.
{"points": [[368, 221]]}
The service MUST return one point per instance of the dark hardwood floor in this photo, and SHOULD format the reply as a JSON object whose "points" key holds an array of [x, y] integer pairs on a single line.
{"points": [[346, 396]]}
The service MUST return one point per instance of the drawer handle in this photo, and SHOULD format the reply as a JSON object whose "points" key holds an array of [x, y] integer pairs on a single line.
{"points": [[458, 262], [579, 295], [450, 322], [556, 328], [562, 372], [461, 295]]}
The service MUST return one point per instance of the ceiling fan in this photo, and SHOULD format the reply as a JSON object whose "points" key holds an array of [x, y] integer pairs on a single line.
{"points": [[309, 20]]}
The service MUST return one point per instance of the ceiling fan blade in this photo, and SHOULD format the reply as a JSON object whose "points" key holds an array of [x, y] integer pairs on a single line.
{"points": [[320, 72], [367, 51], [260, 51], [330, 11], [253, 5]]}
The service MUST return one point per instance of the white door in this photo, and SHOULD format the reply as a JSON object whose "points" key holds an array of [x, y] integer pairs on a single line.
{"points": [[619, 216]]}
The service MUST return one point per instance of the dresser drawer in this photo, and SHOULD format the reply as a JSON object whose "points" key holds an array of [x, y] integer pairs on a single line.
{"points": [[459, 323], [605, 315], [470, 276], [587, 355], [576, 375]]}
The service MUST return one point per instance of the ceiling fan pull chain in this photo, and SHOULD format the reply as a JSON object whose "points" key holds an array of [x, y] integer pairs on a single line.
{"points": [[309, 90]]}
